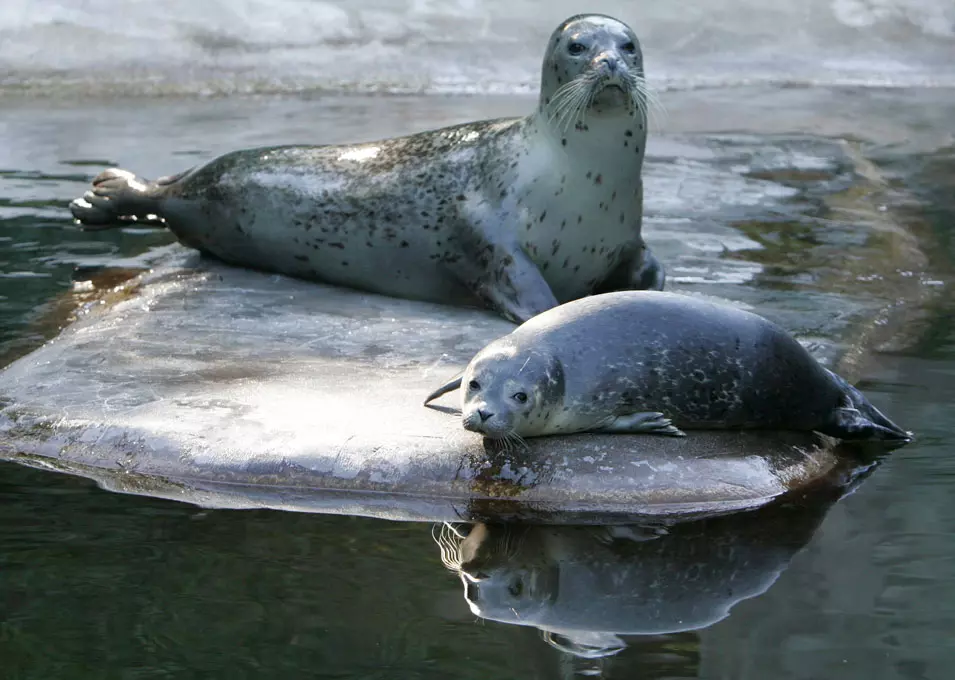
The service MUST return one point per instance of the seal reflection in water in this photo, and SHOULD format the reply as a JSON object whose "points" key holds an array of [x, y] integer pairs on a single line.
{"points": [[584, 586], [519, 214], [656, 362]]}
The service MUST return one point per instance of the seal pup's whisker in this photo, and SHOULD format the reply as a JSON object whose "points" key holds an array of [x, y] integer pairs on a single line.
{"points": [[449, 545], [518, 440], [508, 442]]}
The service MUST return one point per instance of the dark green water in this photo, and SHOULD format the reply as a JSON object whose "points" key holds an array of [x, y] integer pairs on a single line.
{"points": [[100, 585]]}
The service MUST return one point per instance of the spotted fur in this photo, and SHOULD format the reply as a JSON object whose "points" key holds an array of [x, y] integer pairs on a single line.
{"points": [[520, 213]]}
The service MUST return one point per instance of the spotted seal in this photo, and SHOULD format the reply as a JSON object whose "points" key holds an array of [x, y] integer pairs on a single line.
{"points": [[519, 214], [635, 361]]}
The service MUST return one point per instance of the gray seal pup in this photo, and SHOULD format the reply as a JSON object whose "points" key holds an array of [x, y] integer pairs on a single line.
{"points": [[518, 214], [655, 362]]}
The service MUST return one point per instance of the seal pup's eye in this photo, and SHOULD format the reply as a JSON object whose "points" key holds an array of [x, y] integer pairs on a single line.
{"points": [[576, 48], [474, 385], [629, 47], [520, 397]]}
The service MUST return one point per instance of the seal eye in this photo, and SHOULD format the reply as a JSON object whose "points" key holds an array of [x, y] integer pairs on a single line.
{"points": [[516, 588], [520, 397], [474, 385], [576, 48], [629, 47]]}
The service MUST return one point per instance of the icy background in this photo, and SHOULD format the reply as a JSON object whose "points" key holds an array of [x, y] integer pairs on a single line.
{"points": [[455, 46]]}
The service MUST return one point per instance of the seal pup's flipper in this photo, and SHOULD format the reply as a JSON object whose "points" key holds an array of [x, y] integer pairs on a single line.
{"points": [[852, 424], [648, 422], [857, 419], [453, 384], [118, 198]]}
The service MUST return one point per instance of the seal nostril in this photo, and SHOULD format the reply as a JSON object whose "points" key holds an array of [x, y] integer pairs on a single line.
{"points": [[608, 62], [484, 415]]}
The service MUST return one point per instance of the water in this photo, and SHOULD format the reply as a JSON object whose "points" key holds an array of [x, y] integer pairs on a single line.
{"points": [[102, 585], [57, 47]]}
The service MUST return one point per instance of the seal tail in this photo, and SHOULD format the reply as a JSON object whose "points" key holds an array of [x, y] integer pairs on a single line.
{"points": [[860, 420], [453, 384], [118, 198]]}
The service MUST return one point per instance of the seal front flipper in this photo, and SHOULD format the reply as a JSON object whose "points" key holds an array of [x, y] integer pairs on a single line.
{"points": [[117, 198], [516, 288], [500, 272], [648, 422], [647, 274], [642, 271]]}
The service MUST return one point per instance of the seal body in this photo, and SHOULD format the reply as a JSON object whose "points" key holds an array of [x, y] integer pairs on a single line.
{"points": [[520, 214], [635, 361]]}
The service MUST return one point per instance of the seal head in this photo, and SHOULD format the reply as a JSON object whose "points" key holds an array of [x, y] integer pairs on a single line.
{"points": [[507, 392], [593, 66]]}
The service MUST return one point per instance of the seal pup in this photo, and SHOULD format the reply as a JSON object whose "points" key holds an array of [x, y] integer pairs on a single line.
{"points": [[633, 361], [519, 214]]}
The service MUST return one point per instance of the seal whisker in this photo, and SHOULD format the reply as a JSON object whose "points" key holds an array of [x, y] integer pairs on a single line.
{"points": [[515, 441], [572, 102], [645, 99], [519, 442], [583, 94], [564, 92], [509, 442], [559, 99], [449, 544], [569, 102]]}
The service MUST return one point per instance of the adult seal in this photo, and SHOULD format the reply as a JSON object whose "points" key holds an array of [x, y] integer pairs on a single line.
{"points": [[519, 213], [634, 361]]}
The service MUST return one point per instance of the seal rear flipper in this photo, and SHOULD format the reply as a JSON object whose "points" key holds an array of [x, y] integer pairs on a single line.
{"points": [[648, 422], [857, 419], [118, 197], [853, 424], [453, 384]]}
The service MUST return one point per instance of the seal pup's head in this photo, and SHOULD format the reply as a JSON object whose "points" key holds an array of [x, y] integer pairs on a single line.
{"points": [[593, 66], [508, 393]]}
